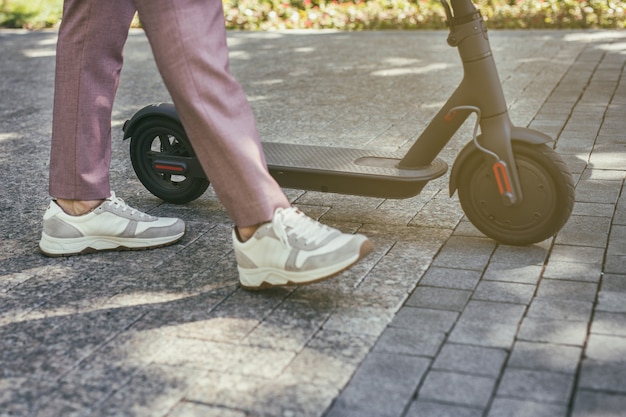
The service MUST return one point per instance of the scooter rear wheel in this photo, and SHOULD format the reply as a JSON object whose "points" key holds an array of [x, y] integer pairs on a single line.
{"points": [[548, 196], [155, 137]]}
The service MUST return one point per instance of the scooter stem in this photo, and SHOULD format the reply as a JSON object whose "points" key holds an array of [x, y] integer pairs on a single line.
{"points": [[479, 88]]}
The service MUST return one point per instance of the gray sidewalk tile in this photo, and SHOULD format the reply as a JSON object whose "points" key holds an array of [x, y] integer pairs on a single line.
{"points": [[603, 376], [509, 407], [521, 255], [494, 312], [539, 386], [456, 388], [408, 342], [567, 290], [615, 264], [423, 320], [504, 292], [439, 298], [582, 208], [468, 359], [611, 301], [573, 271], [609, 323], [383, 385], [545, 357], [606, 348], [421, 408], [565, 252], [614, 283], [151, 392], [260, 396], [528, 274], [588, 231], [597, 191], [553, 331], [487, 334], [571, 310], [597, 404], [461, 279], [465, 253]]}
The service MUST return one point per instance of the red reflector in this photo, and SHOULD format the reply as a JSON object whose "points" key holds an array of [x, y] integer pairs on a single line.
{"points": [[174, 168], [502, 177]]}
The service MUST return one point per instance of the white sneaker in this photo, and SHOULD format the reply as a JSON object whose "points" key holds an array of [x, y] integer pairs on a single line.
{"points": [[113, 225], [295, 249]]}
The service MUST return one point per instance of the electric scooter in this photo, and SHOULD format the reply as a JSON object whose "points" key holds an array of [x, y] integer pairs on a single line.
{"points": [[512, 186]]}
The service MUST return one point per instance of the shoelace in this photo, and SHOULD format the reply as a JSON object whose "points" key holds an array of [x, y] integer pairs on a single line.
{"points": [[118, 203], [292, 221]]}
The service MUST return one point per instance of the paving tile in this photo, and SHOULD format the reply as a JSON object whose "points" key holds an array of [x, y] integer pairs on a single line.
{"points": [[528, 274], [586, 231], [603, 376], [150, 392], [260, 396], [557, 309], [461, 279], [465, 253], [468, 359], [553, 331], [505, 292], [567, 290], [614, 283], [439, 298], [384, 383], [606, 348], [493, 312], [573, 271], [611, 301], [613, 324], [598, 404], [484, 334], [567, 252], [421, 408], [408, 342], [598, 191], [509, 407], [539, 386], [520, 256], [615, 264], [423, 320], [545, 357], [456, 388]]}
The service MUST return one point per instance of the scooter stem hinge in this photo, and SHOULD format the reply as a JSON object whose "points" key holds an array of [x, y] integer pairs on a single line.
{"points": [[460, 32]]}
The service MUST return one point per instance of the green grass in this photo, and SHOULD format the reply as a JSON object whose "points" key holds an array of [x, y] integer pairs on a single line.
{"points": [[363, 15]]}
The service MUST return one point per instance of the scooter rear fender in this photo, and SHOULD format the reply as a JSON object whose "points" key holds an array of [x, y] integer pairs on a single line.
{"points": [[165, 110], [518, 134]]}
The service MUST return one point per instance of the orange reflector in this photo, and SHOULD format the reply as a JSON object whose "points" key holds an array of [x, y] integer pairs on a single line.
{"points": [[502, 177]]}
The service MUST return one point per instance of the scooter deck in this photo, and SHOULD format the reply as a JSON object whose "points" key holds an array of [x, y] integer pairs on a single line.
{"points": [[347, 170]]}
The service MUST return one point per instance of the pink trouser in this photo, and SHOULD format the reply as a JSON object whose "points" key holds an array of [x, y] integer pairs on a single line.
{"points": [[188, 40]]}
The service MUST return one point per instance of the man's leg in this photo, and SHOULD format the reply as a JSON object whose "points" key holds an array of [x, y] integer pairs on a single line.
{"points": [[89, 60], [86, 216], [188, 40]]}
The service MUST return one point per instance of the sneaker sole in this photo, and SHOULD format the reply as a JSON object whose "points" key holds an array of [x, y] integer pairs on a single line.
{"points": [[53, 247], [366, 248]]}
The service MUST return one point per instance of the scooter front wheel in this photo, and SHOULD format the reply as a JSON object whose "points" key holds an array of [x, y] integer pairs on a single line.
{"points": [[547, 188], [155, 137]]}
